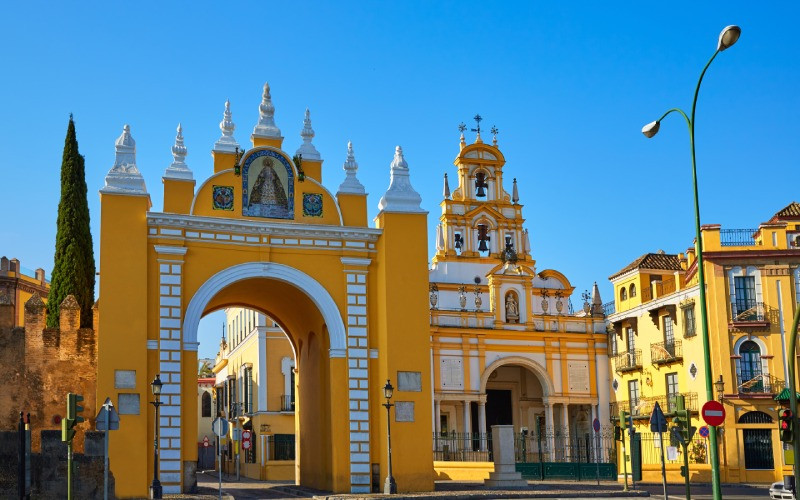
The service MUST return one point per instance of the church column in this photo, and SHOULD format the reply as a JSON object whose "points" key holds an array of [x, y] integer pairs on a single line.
{"points": [[549, 428], [482, 422], [565, 423], [437, 420], [467, 424], [595, 435]]}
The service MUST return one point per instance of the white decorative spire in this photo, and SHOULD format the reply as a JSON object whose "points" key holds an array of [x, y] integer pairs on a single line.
{"points": [[446, 191], [439, 238], [351, 185], [307, 150], [226, 142], [515, 193], [526, 242], [400, 197], [179, 169], [266, 117], [124, 177]]}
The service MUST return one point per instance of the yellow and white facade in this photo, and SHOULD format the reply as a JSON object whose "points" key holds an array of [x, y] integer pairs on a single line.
{"points": [[261, 231], [753, 285], [506, 346]]}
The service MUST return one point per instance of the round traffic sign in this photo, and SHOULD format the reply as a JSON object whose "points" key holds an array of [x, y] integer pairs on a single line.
{"points": [[246, 444], [713, 413], [205, 442], [596, 425], [704, 431], [246, 435]]}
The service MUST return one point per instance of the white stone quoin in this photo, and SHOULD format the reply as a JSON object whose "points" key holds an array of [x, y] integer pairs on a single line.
{"points": [[401, 196], [124, 177]]}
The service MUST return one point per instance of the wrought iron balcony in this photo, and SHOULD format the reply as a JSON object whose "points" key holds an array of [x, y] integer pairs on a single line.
{"points": [[664, 353], [609, 308], [644, 405], [634, 407], [628, 361], [737, 237], [287, 403], [760, 384], [743, 311]]}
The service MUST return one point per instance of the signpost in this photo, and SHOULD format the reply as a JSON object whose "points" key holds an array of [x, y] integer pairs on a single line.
{"points": [[631, 432], [658, 423], [713, 413], [205, 442], [107, 420], [703, 431], [220, 428], [247, 437], [596, 427]]}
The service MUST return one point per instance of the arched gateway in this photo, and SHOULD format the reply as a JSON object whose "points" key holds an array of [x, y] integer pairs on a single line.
{"points": [[262, 232]]}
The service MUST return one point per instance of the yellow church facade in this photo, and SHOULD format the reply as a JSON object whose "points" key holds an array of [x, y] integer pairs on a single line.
{"points": [[507, 348], [262, 232], [753, 285]]}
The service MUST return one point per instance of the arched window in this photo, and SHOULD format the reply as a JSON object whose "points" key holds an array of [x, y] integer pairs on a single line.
{"points": [[751, 360], [632, 293], [623, 294], [206, 404], [755, 417], [757, 442]]}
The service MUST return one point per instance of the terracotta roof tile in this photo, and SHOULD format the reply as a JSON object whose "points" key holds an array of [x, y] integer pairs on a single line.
{"points": [[790, 211], [656, 261]]}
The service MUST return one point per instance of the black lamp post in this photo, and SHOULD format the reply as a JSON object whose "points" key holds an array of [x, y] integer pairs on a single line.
{"points": [[389, 487], [719, 385], [155, 488]]}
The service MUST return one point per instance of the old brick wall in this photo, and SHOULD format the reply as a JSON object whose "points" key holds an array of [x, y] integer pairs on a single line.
{"points": [[49, 467], [44, 364]]}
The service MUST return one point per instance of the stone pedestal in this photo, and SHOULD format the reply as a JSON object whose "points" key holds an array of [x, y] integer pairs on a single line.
{"points": [[505, 475]]}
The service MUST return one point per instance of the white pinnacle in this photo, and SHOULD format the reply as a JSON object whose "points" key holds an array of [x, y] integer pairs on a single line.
{"points": [[178, 169], [351, 185], [307, 150], [515, 193], [124, 176], [226, 142], [401, 196], [439, 237], [266, 117], [446, 192]]}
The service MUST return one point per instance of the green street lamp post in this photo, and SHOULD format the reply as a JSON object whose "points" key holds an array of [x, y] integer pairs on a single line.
{"points": [[727, 38]]}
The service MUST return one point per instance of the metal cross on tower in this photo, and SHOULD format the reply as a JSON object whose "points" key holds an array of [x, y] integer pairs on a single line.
{"points": [[462, 127], [478, 126], [494, 132]]}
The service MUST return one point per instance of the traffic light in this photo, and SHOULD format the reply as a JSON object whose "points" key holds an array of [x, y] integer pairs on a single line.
{"points": [[73, 417], [683, 471], [617, 433], [785, 425]]}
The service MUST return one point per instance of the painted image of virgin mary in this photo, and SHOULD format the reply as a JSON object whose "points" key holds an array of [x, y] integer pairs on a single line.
{"points": [[268, 195]]}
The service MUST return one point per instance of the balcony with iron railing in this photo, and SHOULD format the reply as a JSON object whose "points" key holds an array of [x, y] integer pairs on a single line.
{"points": [[737, 237], [748, 311], [609, 308], [628, 361], [759, 385], [287, 403], [644, 405], [664, 353]]}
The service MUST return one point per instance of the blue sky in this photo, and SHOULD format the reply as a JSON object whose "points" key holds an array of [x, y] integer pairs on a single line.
{"points": [[569, 85]]}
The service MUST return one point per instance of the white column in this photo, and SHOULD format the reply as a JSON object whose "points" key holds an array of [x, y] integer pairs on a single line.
{"points": [[262, 370], [482, 424], [437, 420], [467, 424], [565, 424], [549, 429]]}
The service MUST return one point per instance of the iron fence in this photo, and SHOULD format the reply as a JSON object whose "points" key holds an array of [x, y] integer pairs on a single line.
{"points": [[562, 446], [666, 352], [761, 384], [280, 447], [737, 237], [609, 308], [462, 447], [287, 403], [651, 449], [747, 310], [645, 404], [628, 361]]}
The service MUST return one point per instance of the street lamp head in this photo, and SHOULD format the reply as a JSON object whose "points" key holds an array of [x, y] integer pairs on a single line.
{"points": [[720, 386], [388, 390], [156, 385], [728, 37], [651, 129]]}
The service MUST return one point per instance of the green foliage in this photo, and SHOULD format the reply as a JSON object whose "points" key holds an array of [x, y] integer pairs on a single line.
{"points": [[74, 268]]}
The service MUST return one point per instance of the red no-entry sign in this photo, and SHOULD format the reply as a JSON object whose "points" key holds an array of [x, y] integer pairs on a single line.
{"points": [[713, 413]]}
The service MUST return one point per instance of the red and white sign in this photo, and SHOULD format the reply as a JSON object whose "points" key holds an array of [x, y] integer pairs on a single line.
{"points": [[247, 435], [246, 445], [205, 442], [713, 413]]}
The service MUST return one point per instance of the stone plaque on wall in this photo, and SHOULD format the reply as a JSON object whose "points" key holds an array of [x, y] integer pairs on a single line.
{"points": [[128, 404], [452, 373], [125, 379], [404, 411], [578, 376], [409, 381]]}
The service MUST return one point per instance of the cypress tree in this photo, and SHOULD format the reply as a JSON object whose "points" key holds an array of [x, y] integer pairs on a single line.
{"points": [[73, 271]]}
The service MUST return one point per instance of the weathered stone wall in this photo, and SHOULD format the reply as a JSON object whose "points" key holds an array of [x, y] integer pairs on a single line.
{"points": [[49, 467], [44, 364]]}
